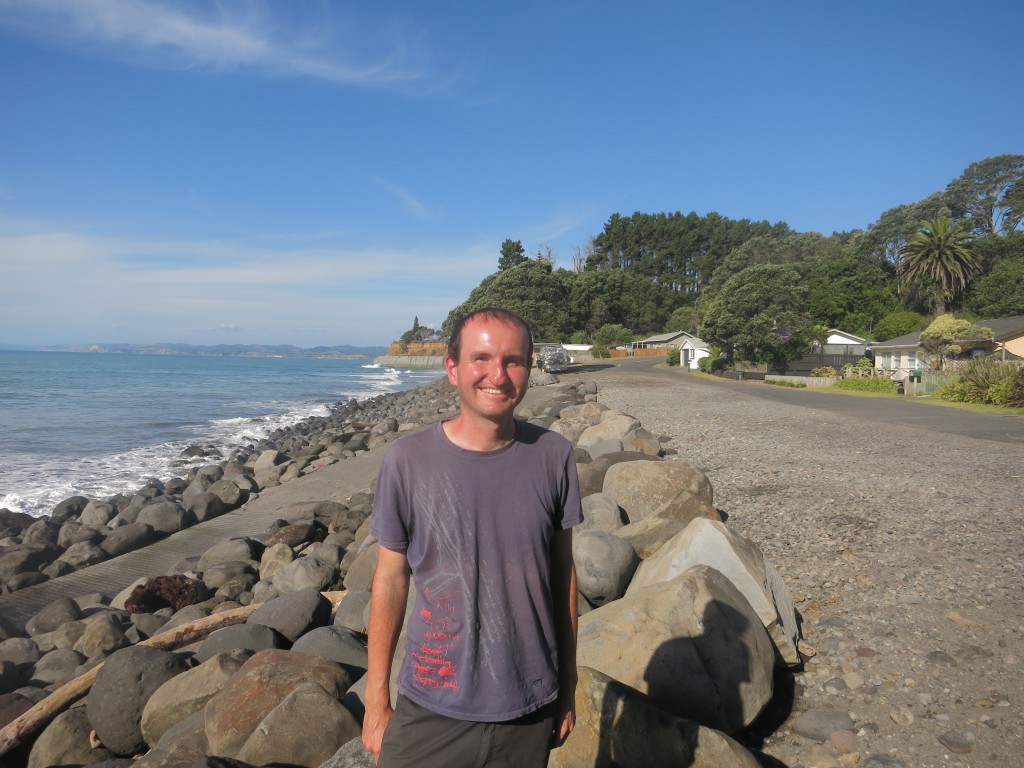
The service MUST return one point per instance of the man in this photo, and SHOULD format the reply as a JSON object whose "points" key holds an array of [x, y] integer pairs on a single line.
{"points": [[479, 510]]}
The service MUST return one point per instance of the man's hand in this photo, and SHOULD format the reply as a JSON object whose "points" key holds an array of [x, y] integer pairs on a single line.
{"points": [[565, 719], [374, 725]]}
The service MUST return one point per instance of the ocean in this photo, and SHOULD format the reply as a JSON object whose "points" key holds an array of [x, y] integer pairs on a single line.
{"points": [[99, 424]]}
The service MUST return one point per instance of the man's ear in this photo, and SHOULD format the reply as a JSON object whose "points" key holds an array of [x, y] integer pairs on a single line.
{"points": [[453, 371]]}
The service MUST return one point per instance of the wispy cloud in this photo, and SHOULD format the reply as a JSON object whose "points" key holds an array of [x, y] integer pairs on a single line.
{"points": [[280, 40], [412, 204]]}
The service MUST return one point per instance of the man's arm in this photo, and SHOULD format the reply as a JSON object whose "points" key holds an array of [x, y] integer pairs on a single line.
{"points": [[563, 590], [388, 598]]}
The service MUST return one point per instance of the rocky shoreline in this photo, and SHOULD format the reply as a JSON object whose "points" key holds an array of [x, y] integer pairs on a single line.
{"points": [[248, 690]]}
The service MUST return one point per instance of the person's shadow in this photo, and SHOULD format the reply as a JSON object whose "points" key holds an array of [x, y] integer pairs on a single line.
{"points": [[692, 682]]}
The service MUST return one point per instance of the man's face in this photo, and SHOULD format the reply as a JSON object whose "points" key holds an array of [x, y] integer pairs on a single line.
{"points": [[492, 374]]}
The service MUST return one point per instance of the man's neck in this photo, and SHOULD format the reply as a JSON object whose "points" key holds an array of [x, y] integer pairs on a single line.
{"points": [[479, 434]]}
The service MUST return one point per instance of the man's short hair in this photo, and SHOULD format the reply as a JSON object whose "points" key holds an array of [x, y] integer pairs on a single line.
{"points": [[489, 313]]}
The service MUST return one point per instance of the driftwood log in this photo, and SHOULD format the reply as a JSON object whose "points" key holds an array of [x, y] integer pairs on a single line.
{"points": [[12, 734]]}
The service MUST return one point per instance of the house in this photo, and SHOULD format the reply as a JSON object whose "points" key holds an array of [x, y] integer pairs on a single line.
{"points": [[901, 355], [675, 339], [691, 349], [690, 353], [839, 348], [841, 343]]}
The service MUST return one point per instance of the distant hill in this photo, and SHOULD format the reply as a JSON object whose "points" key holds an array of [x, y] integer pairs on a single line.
{"points": [[217, 350]]}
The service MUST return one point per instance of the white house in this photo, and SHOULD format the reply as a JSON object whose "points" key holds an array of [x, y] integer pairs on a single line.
{"points": [[690, 353]]}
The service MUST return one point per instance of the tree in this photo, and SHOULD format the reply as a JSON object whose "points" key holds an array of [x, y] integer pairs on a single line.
{"points": [[990, 193], [884, 239], [533, 290], [760, 315], [1000, 293], [947, 335], [898, 324], [512, 254], [940, 250], [613, 335]]}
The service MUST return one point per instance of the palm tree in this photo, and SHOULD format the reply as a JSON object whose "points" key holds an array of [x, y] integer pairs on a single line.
{"points": [[940, 249]]}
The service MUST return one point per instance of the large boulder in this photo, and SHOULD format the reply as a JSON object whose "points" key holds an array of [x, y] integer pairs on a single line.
{"points": [[252, 637], [228, 550], [708, 542], [97, 514], [82, 555], [642, 488], [120, 692], [304, 573], [166, 517], [187, 693], [66, 742], [206, 506], [259, 686], [693, 644], [613, 426], [604, 565], [339, 644], [127, 538], [643, 441], [293, 614], [180, 747], [591, 475], [306, 729], [617, 725], [103, 635], [648, 535], [53, 615], [600, 511]]}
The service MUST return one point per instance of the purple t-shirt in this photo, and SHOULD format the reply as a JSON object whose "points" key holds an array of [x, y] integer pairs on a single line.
{"points": [[476, 527]]}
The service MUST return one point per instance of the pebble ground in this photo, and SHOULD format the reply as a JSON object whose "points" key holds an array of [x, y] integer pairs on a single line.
{"points": [[904, 550]]}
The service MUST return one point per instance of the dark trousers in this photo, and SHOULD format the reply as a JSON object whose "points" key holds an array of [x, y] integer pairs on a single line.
{"points": [[419, 738]]}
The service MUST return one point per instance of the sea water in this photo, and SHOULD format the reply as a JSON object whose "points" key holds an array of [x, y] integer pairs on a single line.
{"points": [[95, 424]]}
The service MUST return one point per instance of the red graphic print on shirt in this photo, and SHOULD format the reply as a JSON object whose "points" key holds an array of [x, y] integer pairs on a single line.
{"points": [[431, 667]]}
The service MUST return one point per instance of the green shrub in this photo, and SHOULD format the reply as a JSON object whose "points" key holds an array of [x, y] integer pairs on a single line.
{"points": [[704, 364], [824, 371], [872, 384], [988, 381], [672, 358], [599, 350], [791, 384]]}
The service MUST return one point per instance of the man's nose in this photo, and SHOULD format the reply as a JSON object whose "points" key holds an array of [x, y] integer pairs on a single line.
{"points": [[499, 372]]}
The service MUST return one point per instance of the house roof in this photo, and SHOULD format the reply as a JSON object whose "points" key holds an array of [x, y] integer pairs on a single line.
{"points": [[906, 340], [1003, 328], [696, 343], [661, 338], [845, 334]]}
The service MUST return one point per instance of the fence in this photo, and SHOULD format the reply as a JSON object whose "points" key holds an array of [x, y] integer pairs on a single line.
{"points": [[639, 352], [810, 381]]}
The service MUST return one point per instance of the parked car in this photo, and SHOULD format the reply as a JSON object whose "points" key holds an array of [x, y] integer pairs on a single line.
{"points": [[552, 359]]}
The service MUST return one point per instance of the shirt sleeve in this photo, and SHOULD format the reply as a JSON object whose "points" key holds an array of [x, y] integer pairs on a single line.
{"points": [[572, 505], [390, 508]]}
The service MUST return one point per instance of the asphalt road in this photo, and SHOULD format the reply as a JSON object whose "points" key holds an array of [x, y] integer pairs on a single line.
{"points": [[903, 411]]}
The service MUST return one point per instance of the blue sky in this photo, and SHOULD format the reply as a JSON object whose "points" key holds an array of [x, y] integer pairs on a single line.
{"points": [[320, 172]]}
